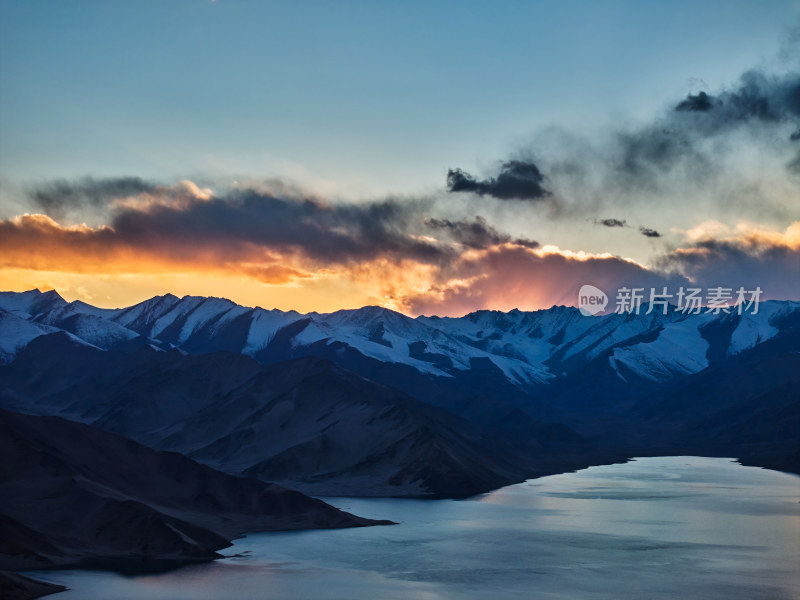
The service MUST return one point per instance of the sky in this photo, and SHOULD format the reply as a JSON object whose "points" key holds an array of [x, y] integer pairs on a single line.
{"points": [[431, 157]]}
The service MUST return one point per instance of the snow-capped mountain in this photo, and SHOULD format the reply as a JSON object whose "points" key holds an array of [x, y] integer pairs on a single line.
{"points": [[530, 349], [16, 333]]}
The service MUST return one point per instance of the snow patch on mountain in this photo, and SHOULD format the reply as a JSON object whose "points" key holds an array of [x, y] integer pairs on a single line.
{"points": [[393, 337], [30, 303], [97, 331], [87, 309], [16, 333], [527, 336], [195, 313], [264, 324], [756, 328], [141, 317], [678, 350]]}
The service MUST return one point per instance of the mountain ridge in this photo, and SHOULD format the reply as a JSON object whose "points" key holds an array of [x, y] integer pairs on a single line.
{"points": [[71, 494], [531, 348]]}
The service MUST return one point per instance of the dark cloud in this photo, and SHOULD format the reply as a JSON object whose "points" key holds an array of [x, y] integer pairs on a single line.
{"points": [[57, 197], [182, 220], [647, 232], [689, 145], [757, 96], [526, 243], [611, 222], [320, 231], [701, 102], [477, 233], [645, 156], [774, 267], [518, 180]]}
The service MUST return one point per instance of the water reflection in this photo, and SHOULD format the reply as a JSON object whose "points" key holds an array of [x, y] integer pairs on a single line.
{"points": [[655, 527]]}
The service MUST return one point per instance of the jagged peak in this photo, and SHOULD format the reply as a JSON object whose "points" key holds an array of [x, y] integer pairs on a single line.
{"points": [[32, 302], [51, 294], [207, 299], [368, 312]]}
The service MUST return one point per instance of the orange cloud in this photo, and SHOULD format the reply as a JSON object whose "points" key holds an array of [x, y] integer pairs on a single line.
{"points": [[745, 234], [747, 255], [38, 243], [508, 276]]}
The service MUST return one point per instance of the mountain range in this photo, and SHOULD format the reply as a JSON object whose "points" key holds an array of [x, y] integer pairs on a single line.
{"points": [[528, 348], [347, 402]]}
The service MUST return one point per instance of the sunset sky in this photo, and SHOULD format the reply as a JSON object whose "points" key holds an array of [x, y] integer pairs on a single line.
{"points": [[431, 157]]}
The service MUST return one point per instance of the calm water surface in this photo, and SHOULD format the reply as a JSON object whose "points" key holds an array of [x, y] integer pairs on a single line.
{"points": [[675, 527]]}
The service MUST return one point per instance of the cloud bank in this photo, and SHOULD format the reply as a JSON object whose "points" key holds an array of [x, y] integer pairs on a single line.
{"points": [[416, 262]]}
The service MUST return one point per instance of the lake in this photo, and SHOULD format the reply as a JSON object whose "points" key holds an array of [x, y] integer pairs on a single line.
{"points": [[669, 527]]}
